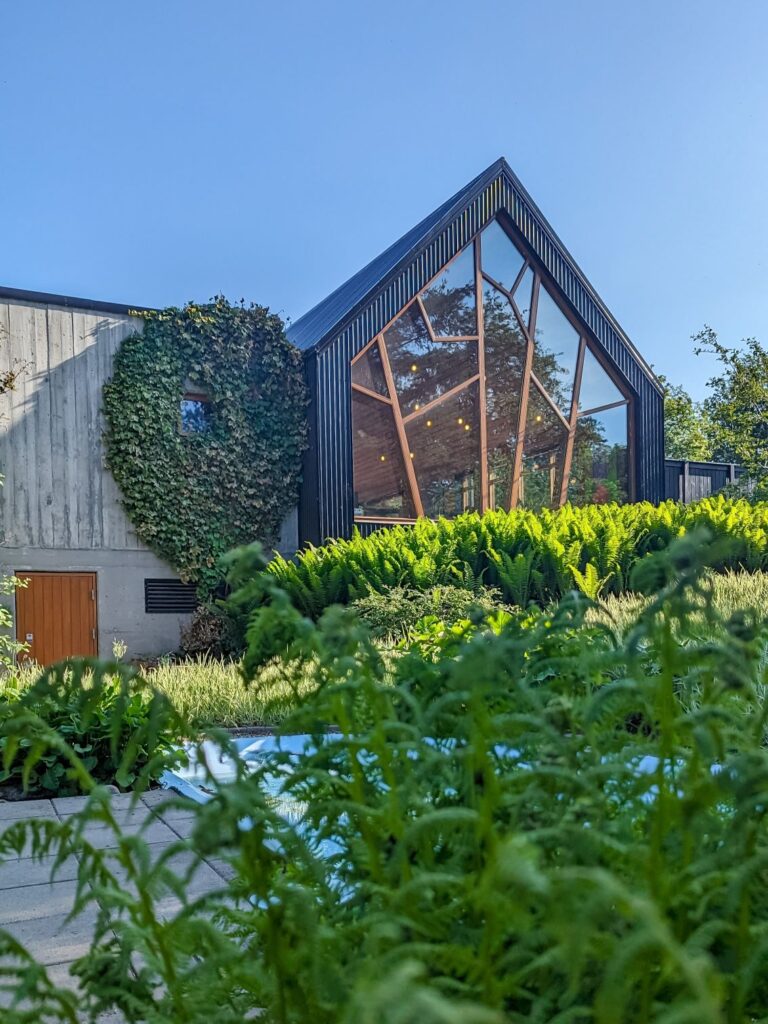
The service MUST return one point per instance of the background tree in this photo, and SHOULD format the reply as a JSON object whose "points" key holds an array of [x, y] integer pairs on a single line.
{"points": [[687, 431], [736, 408]]}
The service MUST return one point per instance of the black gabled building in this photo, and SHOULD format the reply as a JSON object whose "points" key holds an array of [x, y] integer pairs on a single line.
{"points": [[471, 366]]}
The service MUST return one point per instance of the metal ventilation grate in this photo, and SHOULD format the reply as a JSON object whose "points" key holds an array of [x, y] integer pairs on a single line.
{"points": [[169, 597]]}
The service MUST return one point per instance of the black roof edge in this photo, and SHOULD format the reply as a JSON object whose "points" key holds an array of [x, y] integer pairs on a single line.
{"points": [[70, 301]]}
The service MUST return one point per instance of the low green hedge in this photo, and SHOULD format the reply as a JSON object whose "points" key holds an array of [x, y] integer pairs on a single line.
{"points": [[527, 556]]}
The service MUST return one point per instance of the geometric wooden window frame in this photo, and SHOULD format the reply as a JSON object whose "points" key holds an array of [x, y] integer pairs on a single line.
{"points": [[528, 328]]}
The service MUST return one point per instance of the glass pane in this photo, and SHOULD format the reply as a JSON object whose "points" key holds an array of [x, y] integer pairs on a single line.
{"points": [[195, 415], [522, 296], [555, 352], [450, 300], [422, 369], [504, 367], [381, 487], [543, 454], [599, 466], [445, 444], [597, 388], [368, 371], [500, 257]]}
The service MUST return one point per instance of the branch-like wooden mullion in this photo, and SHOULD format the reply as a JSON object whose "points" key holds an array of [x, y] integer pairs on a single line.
{"points": [[509, 292], [410, 472], [508, 296], [550, 401], [371, 394], [439, 339], [572, 427], [526, 386], [440, 399], [603, 408], [425, 318], [484, 489], [455, 337], [497, 285]]}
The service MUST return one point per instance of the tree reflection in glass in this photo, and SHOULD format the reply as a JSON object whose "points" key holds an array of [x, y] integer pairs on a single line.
{"points": [[555, 351], [381, 487], [368, 372], [195, 415], [543, 454], [523, 295], [445, 446], [599, 466], [423, 369], [450, 300], [505, 348]]}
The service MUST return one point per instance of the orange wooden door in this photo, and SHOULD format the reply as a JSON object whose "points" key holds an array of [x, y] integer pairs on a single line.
{"points": [[56, 615]]}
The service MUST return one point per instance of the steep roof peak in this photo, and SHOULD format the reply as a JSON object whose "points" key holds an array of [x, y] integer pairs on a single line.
{"points": [[316, 325]]}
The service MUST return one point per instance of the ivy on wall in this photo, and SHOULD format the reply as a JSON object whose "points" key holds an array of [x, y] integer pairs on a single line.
{"points": [[193, 496]]}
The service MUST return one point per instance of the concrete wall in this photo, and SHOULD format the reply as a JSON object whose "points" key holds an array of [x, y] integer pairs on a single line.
{"points": [[60, 507], [120, 579]]}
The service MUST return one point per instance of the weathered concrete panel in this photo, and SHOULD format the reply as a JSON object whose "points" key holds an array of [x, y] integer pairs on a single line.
{"points": [[58, 493]]}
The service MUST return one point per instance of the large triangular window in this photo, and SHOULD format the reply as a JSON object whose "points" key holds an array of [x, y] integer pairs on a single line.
{"points": [[484, 393]]}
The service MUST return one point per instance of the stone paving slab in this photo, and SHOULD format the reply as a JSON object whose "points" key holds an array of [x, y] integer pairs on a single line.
{"points": [[55, 898], [34, 910], [32, 871], [53, 939], [104, 838], [73, 804], [11, 809]]}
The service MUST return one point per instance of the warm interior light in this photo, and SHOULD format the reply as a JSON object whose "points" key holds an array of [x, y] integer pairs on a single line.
{"points": [[382, 458], [460, 419], [429, 423], [466, 426], [414, 367], [411, 454], [538, 419]]}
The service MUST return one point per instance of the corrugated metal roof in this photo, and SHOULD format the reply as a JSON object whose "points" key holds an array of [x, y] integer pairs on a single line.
{"points": [[327, 316]]}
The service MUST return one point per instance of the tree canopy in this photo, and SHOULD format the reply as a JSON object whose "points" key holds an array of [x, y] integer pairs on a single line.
{"points": [[731, 423]]}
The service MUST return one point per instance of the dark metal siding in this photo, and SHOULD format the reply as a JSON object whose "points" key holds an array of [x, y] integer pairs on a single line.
{"points": [[332, 394], [309, 495], [689, 481]]}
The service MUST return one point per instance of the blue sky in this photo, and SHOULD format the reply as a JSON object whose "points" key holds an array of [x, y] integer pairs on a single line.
{"points": [[155, 152]]}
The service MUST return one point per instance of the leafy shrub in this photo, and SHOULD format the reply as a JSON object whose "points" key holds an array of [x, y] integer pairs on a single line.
{"points": [[9, 646], [544, 825], [84, 722], [527, 556], [209, 633], [393, 613]]}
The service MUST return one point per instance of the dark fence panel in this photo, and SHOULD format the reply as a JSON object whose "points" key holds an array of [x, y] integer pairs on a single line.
{"points": [[689, 481]]}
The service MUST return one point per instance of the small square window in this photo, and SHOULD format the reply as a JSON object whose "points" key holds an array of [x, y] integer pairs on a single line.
{"points": [[195, 414]]}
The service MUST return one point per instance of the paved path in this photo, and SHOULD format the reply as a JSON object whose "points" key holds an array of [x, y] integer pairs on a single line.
{"points": [[34, 909]]}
